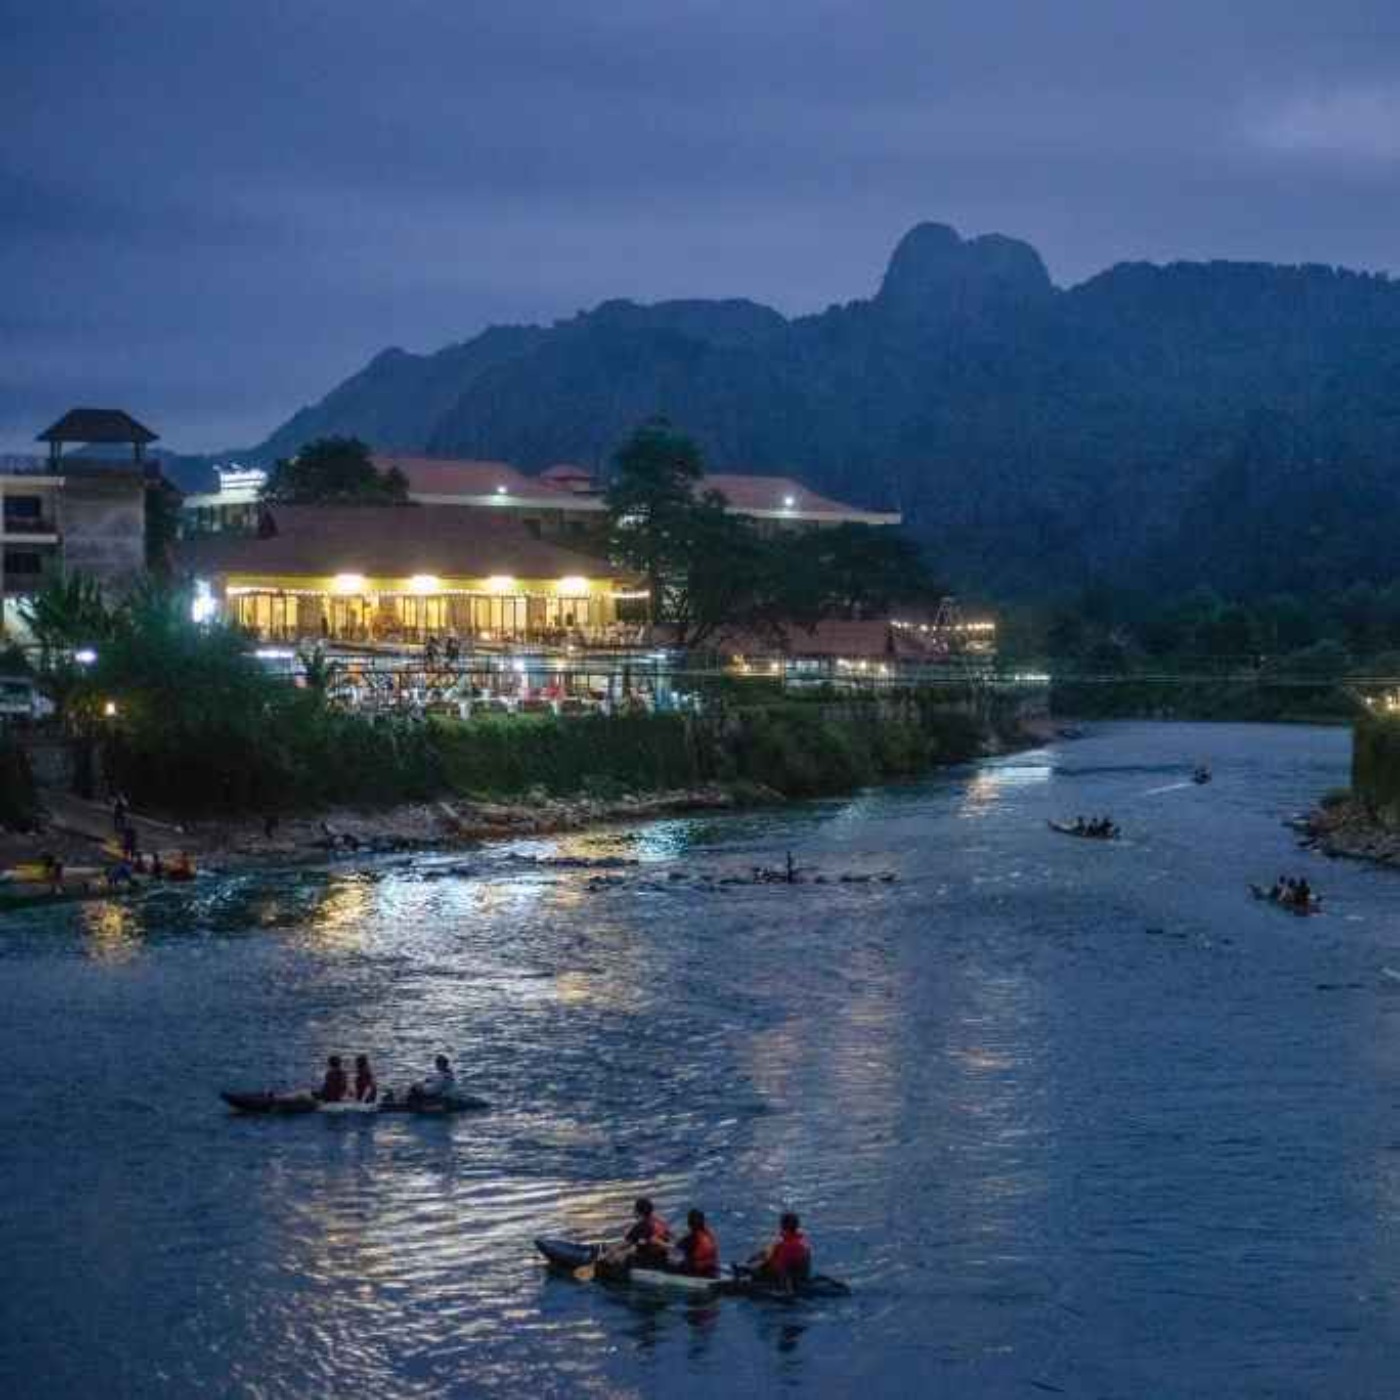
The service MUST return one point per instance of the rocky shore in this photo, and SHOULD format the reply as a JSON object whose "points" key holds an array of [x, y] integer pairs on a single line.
{"points": [[1347, 830], [80, 833]]}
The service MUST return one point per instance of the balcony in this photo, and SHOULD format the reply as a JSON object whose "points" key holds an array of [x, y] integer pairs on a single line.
{"points": [[19, 525]]}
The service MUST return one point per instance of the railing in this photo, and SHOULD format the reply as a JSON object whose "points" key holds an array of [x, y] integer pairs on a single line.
{"points": [[29, 525]]}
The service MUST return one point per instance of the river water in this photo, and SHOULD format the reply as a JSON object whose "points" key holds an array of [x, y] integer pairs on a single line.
{"points": [[1069, 1117]]}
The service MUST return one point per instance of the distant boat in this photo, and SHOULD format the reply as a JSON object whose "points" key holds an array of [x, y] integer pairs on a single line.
{"points": [[1201, 775]]}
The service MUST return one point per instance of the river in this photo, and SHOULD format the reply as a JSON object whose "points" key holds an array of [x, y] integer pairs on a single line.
{"points": [[1070, 1117]]}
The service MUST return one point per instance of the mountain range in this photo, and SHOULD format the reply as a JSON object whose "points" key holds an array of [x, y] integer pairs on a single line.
{"points": [[1156, 427]]}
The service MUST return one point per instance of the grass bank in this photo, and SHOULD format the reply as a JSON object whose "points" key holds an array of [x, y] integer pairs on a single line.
{"points": [[310, 757]]}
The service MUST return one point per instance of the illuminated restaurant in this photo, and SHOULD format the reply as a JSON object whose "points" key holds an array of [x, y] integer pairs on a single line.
{"points": [[386, 574]]}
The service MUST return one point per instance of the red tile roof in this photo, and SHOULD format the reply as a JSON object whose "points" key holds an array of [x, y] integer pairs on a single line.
{"points": [[443, 476], [771, 494], [391, 542]]}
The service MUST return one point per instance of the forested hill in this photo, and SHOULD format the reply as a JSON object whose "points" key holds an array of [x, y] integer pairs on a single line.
{"points": [[1235, 424]]}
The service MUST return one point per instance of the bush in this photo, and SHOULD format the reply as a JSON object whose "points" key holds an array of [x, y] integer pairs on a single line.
{"points": [[19, 808], [598, 754]]}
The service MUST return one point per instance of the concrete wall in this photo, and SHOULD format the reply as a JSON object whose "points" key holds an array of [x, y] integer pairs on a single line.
{"points": [[103, 525]]}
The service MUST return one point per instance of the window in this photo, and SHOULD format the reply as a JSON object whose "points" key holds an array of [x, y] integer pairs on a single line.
{"points": [[23, 507], [23, 562]]}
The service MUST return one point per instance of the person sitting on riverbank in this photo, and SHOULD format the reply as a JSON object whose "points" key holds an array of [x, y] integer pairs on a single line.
{"points": [[335, 1085], [440, 1084], [699, 1250], [366, 1090], [788, 1260]]}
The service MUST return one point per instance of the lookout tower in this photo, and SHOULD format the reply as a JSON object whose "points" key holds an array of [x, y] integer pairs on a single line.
{"points": [[97, 427]]}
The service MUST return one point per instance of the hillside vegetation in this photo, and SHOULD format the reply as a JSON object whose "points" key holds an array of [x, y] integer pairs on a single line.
{"points": [[1227, 424]]}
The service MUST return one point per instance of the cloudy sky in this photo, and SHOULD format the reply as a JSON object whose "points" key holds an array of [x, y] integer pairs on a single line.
{"points": [[212, 211]]}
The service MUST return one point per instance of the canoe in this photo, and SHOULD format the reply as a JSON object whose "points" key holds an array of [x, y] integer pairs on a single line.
{"points": [[1313, 906], [261, 1102], [740, 1282], [433, 1108], [247, 1102], [743, 1284], [1066, 829], [567, 1254]]}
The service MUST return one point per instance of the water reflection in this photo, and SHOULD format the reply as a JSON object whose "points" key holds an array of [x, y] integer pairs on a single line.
{"points": [[113, 930], [1046, 1145]]}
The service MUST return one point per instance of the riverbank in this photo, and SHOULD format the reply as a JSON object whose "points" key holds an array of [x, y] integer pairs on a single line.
{"points": [[1347, 829], [504, 778]]}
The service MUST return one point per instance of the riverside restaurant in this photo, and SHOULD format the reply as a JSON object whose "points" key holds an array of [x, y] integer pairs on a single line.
{"points": [[406, 574]]}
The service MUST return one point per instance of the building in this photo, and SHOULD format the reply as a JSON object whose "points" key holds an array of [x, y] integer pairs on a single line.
{"points": [[782, 502], [564, 501], [234, 505], [392, 574], [74, 514]]}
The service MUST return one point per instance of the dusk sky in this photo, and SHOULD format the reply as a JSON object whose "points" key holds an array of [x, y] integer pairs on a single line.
{"points": [[215, 211]]}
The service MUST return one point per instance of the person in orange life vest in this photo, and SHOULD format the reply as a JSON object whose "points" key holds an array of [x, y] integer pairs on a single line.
{"points": [[646, 1239], [788, 1260], [366, 1090], [698, 1247], [336, 1085]]}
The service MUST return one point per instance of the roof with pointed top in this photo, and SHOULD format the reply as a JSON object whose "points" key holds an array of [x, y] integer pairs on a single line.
{"points": [[98, 425]]}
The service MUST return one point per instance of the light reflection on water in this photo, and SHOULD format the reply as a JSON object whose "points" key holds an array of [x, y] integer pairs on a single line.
{"points": [[1072, 1118]]}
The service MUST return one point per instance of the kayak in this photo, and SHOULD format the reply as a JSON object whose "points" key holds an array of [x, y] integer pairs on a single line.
{"points": [[739, 1282], [1065, 829], [306, 1102], [1313, 906], [567, 1254]]}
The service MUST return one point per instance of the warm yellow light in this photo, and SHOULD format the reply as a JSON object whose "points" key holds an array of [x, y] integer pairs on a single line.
{"points": [[348, 583], [110, 709], [573, 586], [500, 583], [425, 583]]}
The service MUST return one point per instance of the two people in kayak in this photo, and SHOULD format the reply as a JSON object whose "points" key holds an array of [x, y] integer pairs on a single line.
{"points": [[648, 1244], [336, 1087]]}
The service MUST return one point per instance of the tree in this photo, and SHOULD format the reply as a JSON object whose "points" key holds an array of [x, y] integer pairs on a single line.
{"points": [[68, 616], [652, 502], [335, 471], [850, 570]]}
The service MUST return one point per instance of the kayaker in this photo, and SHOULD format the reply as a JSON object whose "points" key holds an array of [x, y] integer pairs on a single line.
{"points": [[648, 1235], [335, 1085], [698, 1247], [437, 1085], [788, 1260], [366, 1090]]}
